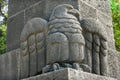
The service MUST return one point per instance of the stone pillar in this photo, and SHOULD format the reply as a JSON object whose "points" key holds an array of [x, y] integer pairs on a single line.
{"points": [[20, 11]]}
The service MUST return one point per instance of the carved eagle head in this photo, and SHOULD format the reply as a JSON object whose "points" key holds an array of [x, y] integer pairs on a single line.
{"points": [[64, 11]]}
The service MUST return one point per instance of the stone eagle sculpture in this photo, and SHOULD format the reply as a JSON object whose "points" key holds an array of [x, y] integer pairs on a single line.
{"points": [[96, 44], [64, 41]]}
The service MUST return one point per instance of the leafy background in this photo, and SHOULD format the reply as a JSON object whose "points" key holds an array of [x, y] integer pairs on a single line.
{"points": [[115, 7], [3, 24]]}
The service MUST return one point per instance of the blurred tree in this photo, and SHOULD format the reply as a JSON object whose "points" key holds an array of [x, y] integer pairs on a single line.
{"points": [[115, 6], [3, 22]]}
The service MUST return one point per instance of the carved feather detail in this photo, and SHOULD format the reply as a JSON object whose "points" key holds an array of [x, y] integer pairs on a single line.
{"points": [[33, 47], [95, 35]]}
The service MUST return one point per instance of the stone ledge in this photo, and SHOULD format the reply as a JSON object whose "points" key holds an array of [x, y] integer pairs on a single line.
{"points": [[69, 74]]}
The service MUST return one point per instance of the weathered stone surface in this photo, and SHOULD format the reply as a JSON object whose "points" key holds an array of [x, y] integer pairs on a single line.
{"points": [[118, 58], [33, 47], [32, 55], [15, 26], [102, 5], [107, 22], [113, 62], [35, 11], [87, 11], [14, 62], [54, 42], [2, 67], [10, 65], [24, 61], [41, 59], [69, 74], [20, 4], [96, 39]]}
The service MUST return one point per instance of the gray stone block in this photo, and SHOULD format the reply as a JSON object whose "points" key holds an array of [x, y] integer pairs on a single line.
{"points": [[15, 26], [118, 59], [91, 2], [2, 67], [25, 66], [14, 64], [20, 4], [35, 11], [69, 74], [104, 6], [113, 63], [10, 65], [87, 11]]}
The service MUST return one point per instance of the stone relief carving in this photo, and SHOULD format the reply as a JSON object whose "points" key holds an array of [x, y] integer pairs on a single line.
{"points": [[64, 41], [96, 50], [33, 47]]}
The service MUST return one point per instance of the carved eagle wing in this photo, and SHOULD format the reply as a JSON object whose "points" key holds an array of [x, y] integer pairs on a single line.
{"points": [[96, 45], [33, 47]]}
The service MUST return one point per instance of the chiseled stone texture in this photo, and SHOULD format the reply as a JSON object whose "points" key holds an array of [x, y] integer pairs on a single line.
{"points": [[69, 74]]}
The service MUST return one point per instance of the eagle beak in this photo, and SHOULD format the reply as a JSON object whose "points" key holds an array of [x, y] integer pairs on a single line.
{"points": [[74, 12]]}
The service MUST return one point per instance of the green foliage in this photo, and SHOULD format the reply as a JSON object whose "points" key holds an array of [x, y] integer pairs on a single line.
{"points": [[115, 6], [3, 28], [3, 38]]}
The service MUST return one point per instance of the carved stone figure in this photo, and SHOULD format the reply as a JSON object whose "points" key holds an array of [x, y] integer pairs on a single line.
{"points": [[64, 41], [33, 47], [96, 45]]}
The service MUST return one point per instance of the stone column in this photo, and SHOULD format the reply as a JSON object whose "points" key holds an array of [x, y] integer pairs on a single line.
{"points": [[21, 11]]}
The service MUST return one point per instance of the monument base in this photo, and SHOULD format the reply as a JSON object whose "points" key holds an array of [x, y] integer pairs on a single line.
{"points": [[69, 74]]}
